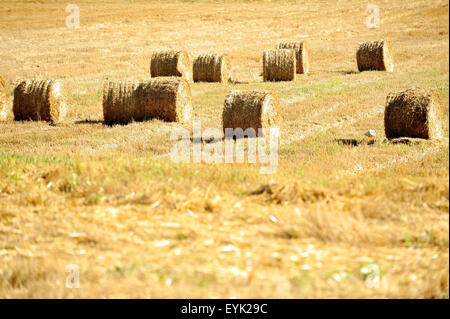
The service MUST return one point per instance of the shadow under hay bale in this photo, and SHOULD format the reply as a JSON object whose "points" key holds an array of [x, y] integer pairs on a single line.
{"points": [[416, 141], [163, 98], [89, 121], [171, 63], [415, 112], [39, 100], [211, 68], [376, 56], [355, 142], [301, 55], [279, 65], [250, 109], [345, 72], [406, 141], [4, 99], [237, 81]]}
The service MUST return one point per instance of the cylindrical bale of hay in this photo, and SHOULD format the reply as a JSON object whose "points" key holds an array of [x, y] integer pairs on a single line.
{"points": [[171, 63], [165, 98], [251, 109], [301, 54], [375, 55], [39, 100], [4, 99], [416, 112], [168, 99], [211, 68], [279, 65], [120, 103]]}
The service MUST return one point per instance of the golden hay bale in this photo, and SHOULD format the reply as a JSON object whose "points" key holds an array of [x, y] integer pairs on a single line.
{"points": [[164, 98], [279, 65], [211, 68], [375, 55], [119, 102], [39, 100], [4, 98], [251, 109], [301, 54], [171, 63], [416, 112]]}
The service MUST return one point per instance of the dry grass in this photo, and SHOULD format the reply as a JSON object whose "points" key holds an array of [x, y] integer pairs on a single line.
{"points": [[109, 200]]}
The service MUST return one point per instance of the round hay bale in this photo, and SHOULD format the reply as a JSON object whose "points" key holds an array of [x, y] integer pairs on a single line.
{"points": [[251, 109], [416, 113], [165, 98], [211, 68], [171, 63], [168, 99], [301, 54], [279, 65], [39, 100], [375, 55], [4, 98], [119, 102]]}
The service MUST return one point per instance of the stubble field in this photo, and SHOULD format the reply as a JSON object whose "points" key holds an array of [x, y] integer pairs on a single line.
{"points": [[109, 200]]}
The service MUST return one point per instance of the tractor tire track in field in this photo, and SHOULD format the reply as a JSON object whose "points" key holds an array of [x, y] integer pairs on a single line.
{"points": [[317, 128], [431, 150]]}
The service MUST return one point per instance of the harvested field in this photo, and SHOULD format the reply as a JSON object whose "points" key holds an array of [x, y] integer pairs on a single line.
{"points": [[110, 200]]}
